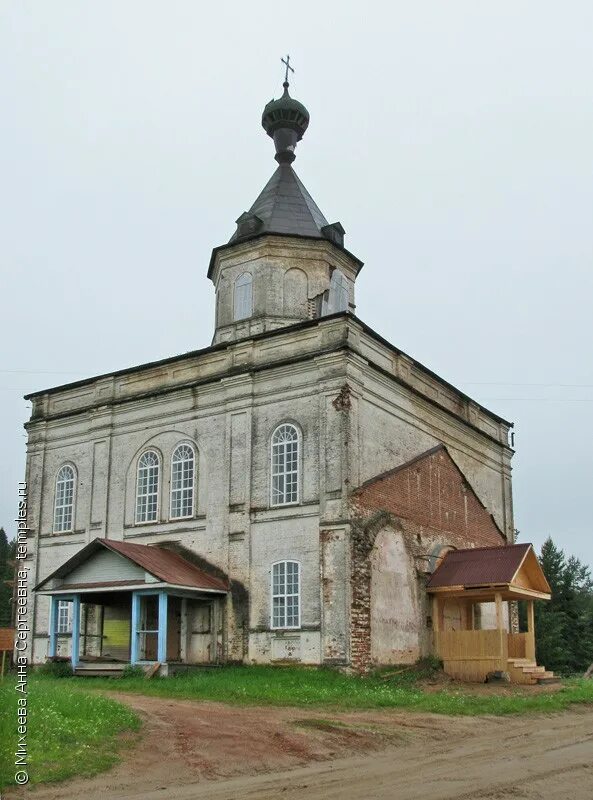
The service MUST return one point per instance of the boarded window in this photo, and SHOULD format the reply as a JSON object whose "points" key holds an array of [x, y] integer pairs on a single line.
{"points": [[243, 296]]}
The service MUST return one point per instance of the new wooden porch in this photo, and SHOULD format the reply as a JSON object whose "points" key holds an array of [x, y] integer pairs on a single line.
{"points": [[473, 636]]}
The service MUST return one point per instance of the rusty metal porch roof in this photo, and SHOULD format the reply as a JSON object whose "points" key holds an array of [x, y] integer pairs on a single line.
{"points": [[165, 565], [490, 566]]}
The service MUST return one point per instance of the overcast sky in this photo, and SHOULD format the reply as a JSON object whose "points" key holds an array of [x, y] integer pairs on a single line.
{"points": [[453, 140]]}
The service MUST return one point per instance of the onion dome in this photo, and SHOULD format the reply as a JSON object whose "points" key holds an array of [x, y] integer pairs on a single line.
{"points": [[285, 120]]}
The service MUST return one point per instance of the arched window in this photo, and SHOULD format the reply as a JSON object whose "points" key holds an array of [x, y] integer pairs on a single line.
{"points": [[243, 296], [182, 482], [286, 594], [147, 487], [285, 465], [64, 500]]}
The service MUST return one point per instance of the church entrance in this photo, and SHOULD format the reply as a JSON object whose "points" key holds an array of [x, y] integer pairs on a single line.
{"points": [[156, 608], [120, 628]]}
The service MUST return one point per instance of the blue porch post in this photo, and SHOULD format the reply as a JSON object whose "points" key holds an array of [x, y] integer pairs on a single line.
{"points": [[53, 626], [75, 630], [162, 641], [134, 627]]}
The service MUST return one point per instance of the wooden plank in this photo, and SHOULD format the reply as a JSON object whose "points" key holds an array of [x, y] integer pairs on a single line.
{"points": [[486, 594], [530, 642], [435, 624], [7, 639], [502, 636], [152, 670], [435, 613], [214, 631], [473, 671], [517, 643], [469, 644]]}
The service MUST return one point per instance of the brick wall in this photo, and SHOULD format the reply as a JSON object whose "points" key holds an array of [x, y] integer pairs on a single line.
{"points": [[431, 502], [431, 491]]}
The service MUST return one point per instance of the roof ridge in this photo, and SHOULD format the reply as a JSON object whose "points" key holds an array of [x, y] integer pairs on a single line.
{"points": [[272, 182], [311, 204], [526, 545], [393, 470]]}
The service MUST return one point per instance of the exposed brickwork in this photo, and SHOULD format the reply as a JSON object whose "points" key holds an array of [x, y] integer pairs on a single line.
{"points": [[432, 491], [360, 610], [428, 499], [363, 532]]}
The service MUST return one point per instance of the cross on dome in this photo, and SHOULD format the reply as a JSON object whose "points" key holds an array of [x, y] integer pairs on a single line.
{"points": [[286, 61]]}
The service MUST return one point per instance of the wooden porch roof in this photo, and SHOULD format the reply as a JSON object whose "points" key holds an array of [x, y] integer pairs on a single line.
{"points": [[483, 572]]}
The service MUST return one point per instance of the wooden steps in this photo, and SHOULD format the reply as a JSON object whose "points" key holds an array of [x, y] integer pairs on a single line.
{"points": [[99, 669], [525, 671]]}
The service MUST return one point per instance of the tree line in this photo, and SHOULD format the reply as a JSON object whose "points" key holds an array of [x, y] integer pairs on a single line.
{"points": [[7, 555], [564, 624]]}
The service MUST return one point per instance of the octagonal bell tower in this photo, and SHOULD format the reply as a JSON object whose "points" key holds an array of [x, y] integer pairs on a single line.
{"points": [[285, 263]]}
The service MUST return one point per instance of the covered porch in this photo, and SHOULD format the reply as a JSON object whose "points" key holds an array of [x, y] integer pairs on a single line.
{"points": [[115, 603], [471, 591]]}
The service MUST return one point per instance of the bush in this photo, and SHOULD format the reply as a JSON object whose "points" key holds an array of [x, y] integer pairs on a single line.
{"points": [[132, 671], [430, 664], [56, 669]]}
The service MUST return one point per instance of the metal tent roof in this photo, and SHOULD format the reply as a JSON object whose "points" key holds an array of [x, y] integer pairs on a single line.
{"points": [[285, 206]]}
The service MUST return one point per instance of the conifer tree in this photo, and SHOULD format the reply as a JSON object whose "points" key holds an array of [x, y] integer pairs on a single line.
{"points": [[564, 625], [7, 554]]}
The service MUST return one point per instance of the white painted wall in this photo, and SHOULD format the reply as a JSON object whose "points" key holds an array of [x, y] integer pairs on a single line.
{"points": [[227, 401]]}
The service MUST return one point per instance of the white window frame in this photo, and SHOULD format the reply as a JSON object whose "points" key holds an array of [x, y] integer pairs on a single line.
{"points": [[137, 495], [71, 505], [285, 595], [243, 297], [64, 616], [193, 484], [273, 474]]}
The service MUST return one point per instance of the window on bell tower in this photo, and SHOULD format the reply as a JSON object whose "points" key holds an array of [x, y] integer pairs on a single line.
{"points": [[243, 305]]}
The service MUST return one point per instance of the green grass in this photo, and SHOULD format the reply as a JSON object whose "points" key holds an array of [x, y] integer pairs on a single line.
{"points": [[74, 730], [70, 731], [324, 688]]}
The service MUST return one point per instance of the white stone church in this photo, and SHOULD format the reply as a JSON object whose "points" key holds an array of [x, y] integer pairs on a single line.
{"points": [[282, 495]]}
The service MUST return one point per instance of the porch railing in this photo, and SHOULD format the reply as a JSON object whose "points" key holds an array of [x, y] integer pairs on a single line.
{"points": [[521, 645], [484, 645], [471, 645]]}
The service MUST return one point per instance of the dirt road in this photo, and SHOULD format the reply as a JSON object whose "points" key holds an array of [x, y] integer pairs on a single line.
{"points": [[207, 750]]}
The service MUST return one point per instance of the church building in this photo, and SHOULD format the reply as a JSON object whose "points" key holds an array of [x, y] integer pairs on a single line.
{"points": [[282, 495]]}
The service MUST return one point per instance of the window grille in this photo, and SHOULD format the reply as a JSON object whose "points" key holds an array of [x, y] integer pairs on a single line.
{"points": [[64, 616], [285, 465], [64, 500], [182, 482], [286, 595], [147, 487]]}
